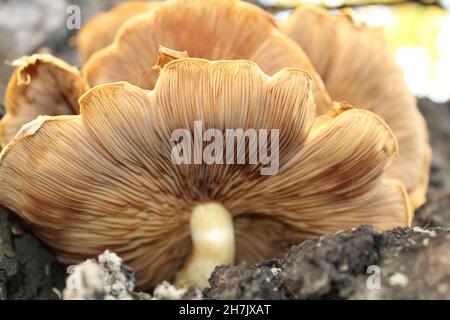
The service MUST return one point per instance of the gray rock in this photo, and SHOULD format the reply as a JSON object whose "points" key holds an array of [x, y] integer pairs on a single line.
{"points": [[168, 291], [263, 281], [106, 278]]}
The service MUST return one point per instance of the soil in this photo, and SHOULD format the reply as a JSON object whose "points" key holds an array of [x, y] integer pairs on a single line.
{"points": [[412, 263], [28, 270]]}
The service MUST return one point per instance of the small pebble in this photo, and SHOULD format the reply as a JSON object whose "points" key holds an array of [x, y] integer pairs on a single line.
{"points": [[275, 271], [398, 279]]}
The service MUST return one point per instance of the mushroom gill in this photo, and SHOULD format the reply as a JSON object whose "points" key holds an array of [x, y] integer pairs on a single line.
{"points": [[105, 179], [210, 29], [40, 85], [100, 31], [356, 66]]}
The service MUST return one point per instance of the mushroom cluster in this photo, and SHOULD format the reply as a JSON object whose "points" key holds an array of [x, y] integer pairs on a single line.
{"points": [[235, 30], [87, 156]]}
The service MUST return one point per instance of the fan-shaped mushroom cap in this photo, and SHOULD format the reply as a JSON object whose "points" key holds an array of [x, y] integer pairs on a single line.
{"points": [[41, 85], [210, 29], [105, 180], [356, 66], [99, 32]]}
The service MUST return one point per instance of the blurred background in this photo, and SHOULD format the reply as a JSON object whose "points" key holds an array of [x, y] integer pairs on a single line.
{"points": [[418, 33]]}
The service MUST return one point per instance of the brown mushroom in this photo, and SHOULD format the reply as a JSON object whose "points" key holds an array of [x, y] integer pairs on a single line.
{"points": [[132, 57], [356, 66], [210, 29], [40, 85], [105, 179], [99, 32]]}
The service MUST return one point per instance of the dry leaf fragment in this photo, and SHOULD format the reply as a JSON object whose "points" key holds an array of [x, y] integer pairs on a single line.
{"points": [[40, 85]]}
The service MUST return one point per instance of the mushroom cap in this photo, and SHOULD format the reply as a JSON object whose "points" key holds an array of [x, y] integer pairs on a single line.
{"points": [[356, 66], [104, 179], [210, 29], [100, 31], [40, 85]]}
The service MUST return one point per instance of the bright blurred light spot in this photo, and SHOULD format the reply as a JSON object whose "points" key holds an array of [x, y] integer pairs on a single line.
{"points": [[415, 62], [326, 3], [420, 39], [269, 3], [333, 3], [282, 15], [418, 35], [377, 16], [441, 77]]}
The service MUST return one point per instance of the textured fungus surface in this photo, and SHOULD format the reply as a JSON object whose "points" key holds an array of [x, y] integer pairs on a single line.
{"points": [[84, 184]]}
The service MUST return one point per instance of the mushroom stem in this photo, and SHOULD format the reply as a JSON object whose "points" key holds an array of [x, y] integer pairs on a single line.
{"points": [[212, 234]]}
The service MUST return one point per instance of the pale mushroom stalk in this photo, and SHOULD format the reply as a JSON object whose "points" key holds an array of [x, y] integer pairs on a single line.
{"points": [[213, 244]]}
